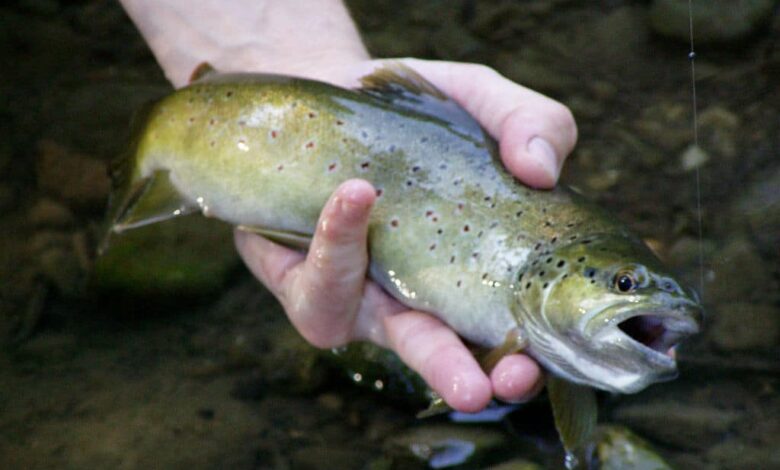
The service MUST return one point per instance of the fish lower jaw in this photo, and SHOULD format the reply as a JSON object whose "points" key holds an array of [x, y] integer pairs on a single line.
{"points": [[656, 335]]}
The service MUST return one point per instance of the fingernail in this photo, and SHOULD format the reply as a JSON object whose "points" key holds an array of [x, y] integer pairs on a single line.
{"points": [[544, 155]]}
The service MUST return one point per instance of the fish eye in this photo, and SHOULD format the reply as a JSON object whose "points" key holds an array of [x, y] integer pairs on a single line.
{"points": [[625, 282]]}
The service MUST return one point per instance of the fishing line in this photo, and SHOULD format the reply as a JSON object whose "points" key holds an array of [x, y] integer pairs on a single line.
{"points": [[692, 58]]}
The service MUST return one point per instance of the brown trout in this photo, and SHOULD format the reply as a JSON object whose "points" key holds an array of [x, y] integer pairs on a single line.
{"points": [[452, 233]]}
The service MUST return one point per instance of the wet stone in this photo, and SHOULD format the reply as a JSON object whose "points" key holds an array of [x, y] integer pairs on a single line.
{"points": [[77, 179], [682, 425], [741, 326], [190, 256], [50, 214], [714, 21], [740, 273], [759, 206]]}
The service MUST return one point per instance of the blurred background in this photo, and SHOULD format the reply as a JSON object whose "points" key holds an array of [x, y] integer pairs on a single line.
{"points": [[166, 353]]}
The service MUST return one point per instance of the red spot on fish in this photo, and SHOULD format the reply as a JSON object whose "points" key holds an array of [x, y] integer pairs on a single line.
{"points": [[394, 223], [212, 121], [466, 228], [309, 145], [274, 134], [460, 206], [312, 115], [428, 213], [339, 123], [379, 193], [331, 167]]}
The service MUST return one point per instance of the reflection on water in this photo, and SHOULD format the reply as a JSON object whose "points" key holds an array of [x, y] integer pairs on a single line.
{"points": [[98, 375]]}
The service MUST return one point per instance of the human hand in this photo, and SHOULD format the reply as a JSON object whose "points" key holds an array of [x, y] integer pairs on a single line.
{"points": [[326, 293]]}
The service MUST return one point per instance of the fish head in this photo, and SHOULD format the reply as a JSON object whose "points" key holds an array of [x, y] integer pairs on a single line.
{"points": [[603, 311]]}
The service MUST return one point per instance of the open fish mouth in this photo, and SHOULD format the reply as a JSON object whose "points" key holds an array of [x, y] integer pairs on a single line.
{"points": [[657, 333]]}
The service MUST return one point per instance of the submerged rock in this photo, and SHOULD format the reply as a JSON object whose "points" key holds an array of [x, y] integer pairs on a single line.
{"points": [[78, 179], [759, 207], [742, 326], [190, 256], [682, 425], [714, 21], [617, 448]]}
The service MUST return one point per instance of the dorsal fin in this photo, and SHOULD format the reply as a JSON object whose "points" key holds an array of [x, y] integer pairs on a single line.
{"points": [[203, 70], [401, 86]]}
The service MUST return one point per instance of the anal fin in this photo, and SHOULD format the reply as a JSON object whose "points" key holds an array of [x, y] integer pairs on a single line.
{"points": [[516, 341], [151, 200]]}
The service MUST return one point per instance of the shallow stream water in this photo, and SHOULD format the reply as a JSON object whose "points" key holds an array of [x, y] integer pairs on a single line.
{"points": [[205, 372]]}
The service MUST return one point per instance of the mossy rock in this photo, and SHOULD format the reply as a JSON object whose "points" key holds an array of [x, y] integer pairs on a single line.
{"points": [[190, 256]]}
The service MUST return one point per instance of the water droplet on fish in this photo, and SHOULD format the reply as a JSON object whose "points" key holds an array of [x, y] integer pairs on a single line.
{"points": [[243, 146], [691, 55]]}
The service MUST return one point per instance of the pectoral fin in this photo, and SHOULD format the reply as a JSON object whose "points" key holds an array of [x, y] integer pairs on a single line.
{"points": [[436, 407], [575, 412], [287, 238], [151, 200], [515, 342]]}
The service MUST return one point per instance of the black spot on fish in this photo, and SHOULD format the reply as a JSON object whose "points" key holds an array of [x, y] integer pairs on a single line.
{"points": [[545, 285], [527, 285], [339, 122], [479, 235], [484, 275], [458, 284], [379, 192], [312, 115], [561, 263], [432, 247], [452, 259], [364, 165], [565, 276], [424, 140], [580, 259], [585, 242], [440, 231], [415, 169], [538, 245], [553, 239], [541, 273], [573, 237], [548, 261], [466, 228], [590, 272], [228, 94], [520, 277], [394, 223], [408, 182], [280, 167]]}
